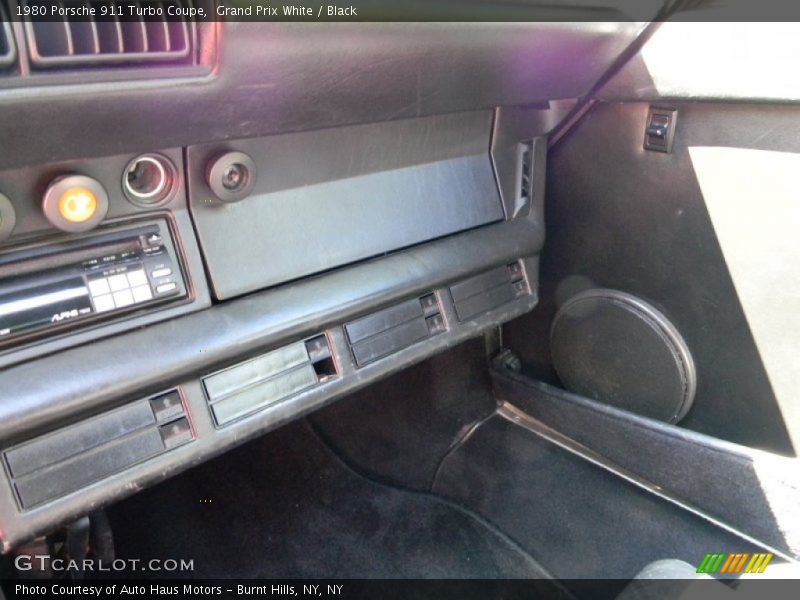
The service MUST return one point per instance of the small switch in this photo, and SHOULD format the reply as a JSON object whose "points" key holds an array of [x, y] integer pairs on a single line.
{"points": [[317, 348], [430, 306], [660, 129], [166, 272], [167, 406], [166, 288], [435, 324], [515, 271], [176, 433]]}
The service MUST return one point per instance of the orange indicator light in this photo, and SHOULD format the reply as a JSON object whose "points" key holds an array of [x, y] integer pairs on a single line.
{"points": [[77, 205]]}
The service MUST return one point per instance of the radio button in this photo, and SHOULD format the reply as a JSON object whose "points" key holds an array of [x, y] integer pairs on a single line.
{"points": [[124, 298], [118, 283], [98, 287], [167, 287], [103, 303], [137, 278], [142, 293], [154, 250], [161, 273]]}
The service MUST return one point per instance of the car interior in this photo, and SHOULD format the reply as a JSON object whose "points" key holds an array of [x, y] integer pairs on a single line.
{"points": [[394, 300]]}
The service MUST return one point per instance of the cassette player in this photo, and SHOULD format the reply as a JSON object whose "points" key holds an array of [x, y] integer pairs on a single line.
{"points": [[50, 287]]}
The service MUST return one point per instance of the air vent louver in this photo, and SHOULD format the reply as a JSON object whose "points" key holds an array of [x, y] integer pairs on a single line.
{"points": [[489, 290], [112, 39], [525, 172], [6, 41], [269, 379], [395, 328]]}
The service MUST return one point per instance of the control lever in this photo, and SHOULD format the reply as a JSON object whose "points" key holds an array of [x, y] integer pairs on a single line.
{"points": [[88, 536], [101, 538], [77, 543]]}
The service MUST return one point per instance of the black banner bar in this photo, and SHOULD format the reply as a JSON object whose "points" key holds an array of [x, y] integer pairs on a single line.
{"points": [[334, 589], [403, 10]]}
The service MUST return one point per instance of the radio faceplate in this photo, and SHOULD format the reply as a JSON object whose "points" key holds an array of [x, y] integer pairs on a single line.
{"points": [[50, 287]]}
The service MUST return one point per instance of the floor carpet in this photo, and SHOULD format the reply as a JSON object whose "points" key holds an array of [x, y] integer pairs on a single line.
{"points": [[286, 506]]}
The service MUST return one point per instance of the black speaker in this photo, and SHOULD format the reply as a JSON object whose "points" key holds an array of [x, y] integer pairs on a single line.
{"points": [[620, 350]]}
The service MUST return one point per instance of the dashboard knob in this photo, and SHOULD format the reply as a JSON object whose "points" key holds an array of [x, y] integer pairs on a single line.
{"points": [[231, 176], [8, 218], [75, 203]]}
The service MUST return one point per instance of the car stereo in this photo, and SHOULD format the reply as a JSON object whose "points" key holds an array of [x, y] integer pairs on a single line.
{"points": [[50, 287]]}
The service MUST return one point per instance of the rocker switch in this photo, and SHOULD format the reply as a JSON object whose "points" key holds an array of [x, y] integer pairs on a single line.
{"points": [[660, 131]]}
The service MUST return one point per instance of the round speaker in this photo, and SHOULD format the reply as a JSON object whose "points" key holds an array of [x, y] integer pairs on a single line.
{"points": [[620, 350]]}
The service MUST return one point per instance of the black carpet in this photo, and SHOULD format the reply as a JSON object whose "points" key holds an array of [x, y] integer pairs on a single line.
{"points": [[285, 506], [580, 521], [399, 429]]}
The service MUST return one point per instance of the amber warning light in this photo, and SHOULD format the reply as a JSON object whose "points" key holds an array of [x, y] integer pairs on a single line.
{"points": [[77, 205]]}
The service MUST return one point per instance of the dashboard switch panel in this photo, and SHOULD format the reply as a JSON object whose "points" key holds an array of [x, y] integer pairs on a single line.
{"points": [[392, 329], [489, 290], [268, 379], [56, 464]]}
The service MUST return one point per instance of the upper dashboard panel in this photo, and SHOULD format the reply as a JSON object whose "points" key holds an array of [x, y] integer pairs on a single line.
{"points": [[282, 77], [315, 207]]}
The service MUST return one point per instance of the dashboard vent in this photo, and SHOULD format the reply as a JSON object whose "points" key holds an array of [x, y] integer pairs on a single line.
{"points": [[68, 459], [395, 328], [113, 37], [269, 379], [489, 290], [6, 41], [525, 172]]}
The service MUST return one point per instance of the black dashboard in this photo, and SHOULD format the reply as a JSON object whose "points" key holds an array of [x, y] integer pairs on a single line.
{"points": [[197, 251]]}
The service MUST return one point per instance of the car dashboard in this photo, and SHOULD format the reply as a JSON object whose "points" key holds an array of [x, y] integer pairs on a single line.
{"points": [[198, 248]]}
